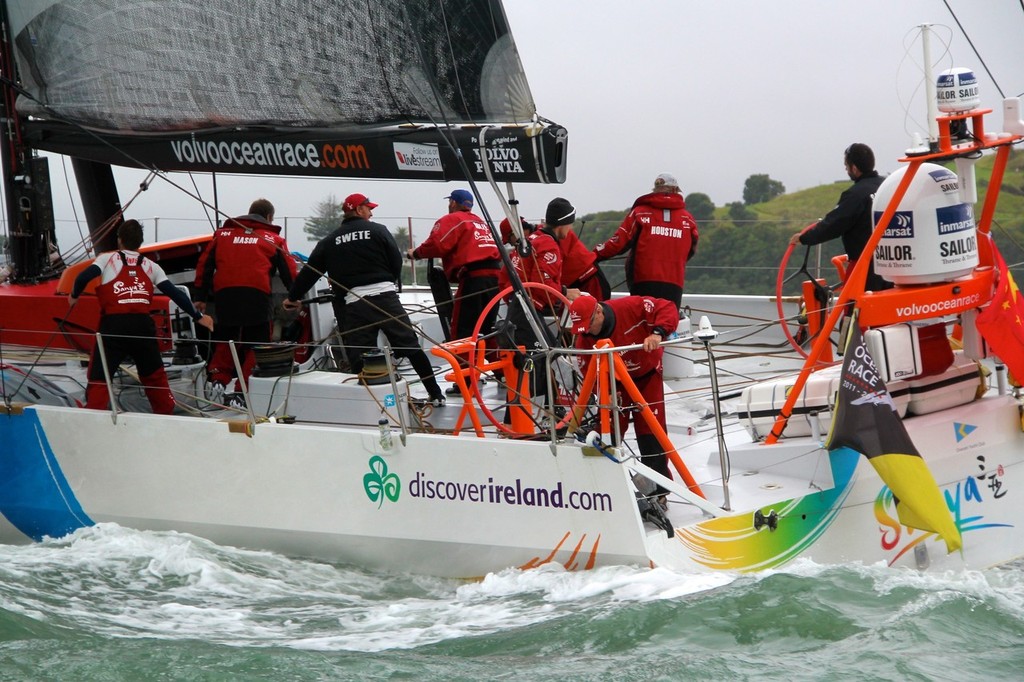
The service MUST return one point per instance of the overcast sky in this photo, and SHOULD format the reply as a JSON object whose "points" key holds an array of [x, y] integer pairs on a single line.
{"points": [[710, 91]]}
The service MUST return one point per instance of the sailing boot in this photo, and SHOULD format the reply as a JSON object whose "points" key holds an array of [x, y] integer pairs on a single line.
{"points": [[434, 391], [651, 511]]}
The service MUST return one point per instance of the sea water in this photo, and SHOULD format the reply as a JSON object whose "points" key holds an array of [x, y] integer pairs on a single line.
{"points": [[108, 603]]}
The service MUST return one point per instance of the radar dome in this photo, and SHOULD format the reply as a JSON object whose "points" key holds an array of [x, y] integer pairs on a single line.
{"points": [[932, 236], [957, 90]]}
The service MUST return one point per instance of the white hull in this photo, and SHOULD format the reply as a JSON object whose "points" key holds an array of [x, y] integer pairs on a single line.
{"points": [[336, 494], [300, 490]]}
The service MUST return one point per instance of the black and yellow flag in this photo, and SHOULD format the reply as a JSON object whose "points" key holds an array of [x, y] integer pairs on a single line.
{"points": [[866, 420]]}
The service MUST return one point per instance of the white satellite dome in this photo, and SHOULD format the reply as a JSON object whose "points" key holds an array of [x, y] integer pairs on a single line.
{"points": [[957, 90], [932, 237]]}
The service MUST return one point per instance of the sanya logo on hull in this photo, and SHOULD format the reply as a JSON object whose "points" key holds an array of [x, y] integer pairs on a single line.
{"points": [[962, 430], [378, 483]]}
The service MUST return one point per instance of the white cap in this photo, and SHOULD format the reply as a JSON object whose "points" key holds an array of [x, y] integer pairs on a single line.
{"points": [[666, 180]]}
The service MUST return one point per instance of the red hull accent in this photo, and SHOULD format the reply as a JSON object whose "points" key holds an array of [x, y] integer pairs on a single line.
{"points": [[37, 316]]}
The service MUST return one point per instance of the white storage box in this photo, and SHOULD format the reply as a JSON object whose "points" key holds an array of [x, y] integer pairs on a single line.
{"points": [[328, 397], [760, 403], [958, 385], [896, 350], [975, 346], [677, 362]]}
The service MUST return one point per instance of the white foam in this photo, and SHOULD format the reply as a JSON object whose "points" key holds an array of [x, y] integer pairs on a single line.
{"points": [[122, 583]]}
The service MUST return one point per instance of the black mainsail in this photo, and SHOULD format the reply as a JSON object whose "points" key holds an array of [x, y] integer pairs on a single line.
{"points": [[297, 87], [382, 89]]}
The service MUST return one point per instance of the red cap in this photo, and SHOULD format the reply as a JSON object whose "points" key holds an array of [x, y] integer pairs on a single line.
{"points": [[352, 201], [506, 230], [580, 313]]}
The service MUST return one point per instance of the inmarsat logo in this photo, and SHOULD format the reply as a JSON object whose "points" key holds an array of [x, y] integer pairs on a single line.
{"points": [[378, 483], [901, 225], [942, 175]]}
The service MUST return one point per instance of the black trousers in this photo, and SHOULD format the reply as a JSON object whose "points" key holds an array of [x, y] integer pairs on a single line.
{"points": [[127, 336], [383, 312], [473, 294]]}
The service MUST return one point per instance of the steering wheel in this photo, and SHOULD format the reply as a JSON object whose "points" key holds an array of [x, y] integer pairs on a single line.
{"points": [[471, 357], [822, 294]]}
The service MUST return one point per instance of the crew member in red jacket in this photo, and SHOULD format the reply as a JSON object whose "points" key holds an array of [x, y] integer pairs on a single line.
{"points": [[469, 258], [580, 269], [128, 281], [236, 269], [661, 236], [579, 265], [511, 238], [540, 262], [626, 321]]}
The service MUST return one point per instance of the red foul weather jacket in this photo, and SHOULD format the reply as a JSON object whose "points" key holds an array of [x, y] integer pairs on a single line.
{"points": [[629, 320], [543, 266], [244, 252], [577, 260], [459, 239], [661, 236]]}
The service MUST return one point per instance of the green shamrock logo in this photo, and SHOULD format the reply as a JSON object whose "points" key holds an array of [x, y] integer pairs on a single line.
{"points": [[379, 483]]}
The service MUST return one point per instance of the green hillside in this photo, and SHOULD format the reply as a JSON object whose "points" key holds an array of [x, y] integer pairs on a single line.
{"points": [[741, 246]]}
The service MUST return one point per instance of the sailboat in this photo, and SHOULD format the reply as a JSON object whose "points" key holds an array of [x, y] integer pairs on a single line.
{"points": [[329, 465]]}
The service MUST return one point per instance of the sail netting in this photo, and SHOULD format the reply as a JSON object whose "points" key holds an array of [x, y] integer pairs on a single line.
{"points": [[124, 81], [157, 66]]}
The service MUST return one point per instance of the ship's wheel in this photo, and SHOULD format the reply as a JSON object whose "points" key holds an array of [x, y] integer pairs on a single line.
{"points": [[817, 299], [473, 382]]}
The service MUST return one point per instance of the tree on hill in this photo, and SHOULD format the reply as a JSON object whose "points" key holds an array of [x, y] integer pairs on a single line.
{"points": [[738, 258], [595, 228], [760, 188], [700, 206], [326, 217], [741, 244], [740, 213]]}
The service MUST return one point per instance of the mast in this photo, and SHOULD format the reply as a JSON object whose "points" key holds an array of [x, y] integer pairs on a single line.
{"points": [[98, 191], [26, 180]]}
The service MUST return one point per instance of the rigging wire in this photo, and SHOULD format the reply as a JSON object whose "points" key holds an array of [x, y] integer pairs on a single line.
{"points": [[153, 170], [210, 219], [976, 53], [520, 294], [71, 198]]}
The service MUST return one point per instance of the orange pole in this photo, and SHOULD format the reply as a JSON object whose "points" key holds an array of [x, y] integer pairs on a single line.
{"points": [[460, 381], [992, 193], [853, 288], [519, 405], [622, 376], [604, 392], [586, 388]]}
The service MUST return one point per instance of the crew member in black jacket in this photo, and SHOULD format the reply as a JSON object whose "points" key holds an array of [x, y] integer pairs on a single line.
{"points": [[851, 218], [363, 264]]}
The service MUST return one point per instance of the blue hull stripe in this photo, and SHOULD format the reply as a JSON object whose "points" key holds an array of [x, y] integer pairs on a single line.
{"points": [[34, 495]]}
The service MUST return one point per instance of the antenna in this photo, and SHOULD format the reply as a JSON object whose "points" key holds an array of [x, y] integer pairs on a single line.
{"points": [[1012, 122], [929, 88]]}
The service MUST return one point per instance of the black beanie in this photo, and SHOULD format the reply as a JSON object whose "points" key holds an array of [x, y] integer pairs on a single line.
{"points": [[560, 212]]}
